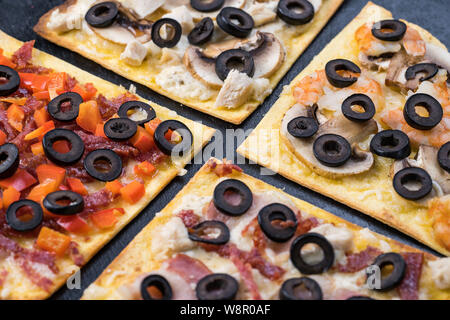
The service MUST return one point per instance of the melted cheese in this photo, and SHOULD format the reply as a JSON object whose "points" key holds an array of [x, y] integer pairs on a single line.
{"points": [[440, 270], [134, 53]]}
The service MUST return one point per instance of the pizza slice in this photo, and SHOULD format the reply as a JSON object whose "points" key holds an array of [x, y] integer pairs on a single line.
{"points": [[227, 235], [222, 58], [81, 157], [367, 124]]}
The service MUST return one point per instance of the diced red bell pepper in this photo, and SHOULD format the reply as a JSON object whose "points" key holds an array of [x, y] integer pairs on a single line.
{"points": [[53, 241], [133, 192], [77, 186], [40, 116], [144, 168], [15, 116], [142, 140], [4, 61], [104, 219], [89, 116], [39, 192], [61, 146], [50, 172], [74, 224], [41, 131], [37, 148], [2, 137], [20, 180], [114, 187], [10, 195]]}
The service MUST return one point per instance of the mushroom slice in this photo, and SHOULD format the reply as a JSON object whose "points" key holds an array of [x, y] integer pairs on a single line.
{"points": [[202, 67], [427, 160], [268, 57], [115, 33], [360, 161], [438, 55]]}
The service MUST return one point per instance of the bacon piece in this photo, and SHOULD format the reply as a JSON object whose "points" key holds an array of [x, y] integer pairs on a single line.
{"points": [[4, 124], [92, 143], [3, 275], [109, 107], [409, 287], [31, 105], [154, 156], [35, 69], [78, 171], [247, 276], [20, 141], [70, 83], [75, 254], [190, 219], [190, 269], [360, 260], [97, 200], [23, 55], [30, 162], [222, 169]]}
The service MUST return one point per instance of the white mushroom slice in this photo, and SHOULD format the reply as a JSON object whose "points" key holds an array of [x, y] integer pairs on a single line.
{"points": [[268, 57], [201, 67], [115, 33], [142, 8], [427, 160], [261, 14], [184, 18], [236, 89], [134, 53], [361, 161], [438, 55]]}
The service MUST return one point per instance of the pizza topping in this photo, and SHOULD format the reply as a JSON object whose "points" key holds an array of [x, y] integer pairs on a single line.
{"points": [[421, 71], [9, 160], [444, 157], [217, 286], [202, 32], [318, 267], [210, 231], [120, 129], [18, 215], [102, 15], [234, 59], [138, 111], [173, 32], [360, 298], [169, 147], [358, 100], [155, 287], [434, 111], [190, 269], [396, 276], [334, 70], [207, 6], [295, 12], [232, 197], [303, 288], [332, 150], [278, 222], [389, 30], [391, 144], [63, 158], [408, 288], [303, 127], [360, 260], [103, 164], [440, 272], [412, 183], [9, 81], [65, 107], [227, 17], [64, 202]]}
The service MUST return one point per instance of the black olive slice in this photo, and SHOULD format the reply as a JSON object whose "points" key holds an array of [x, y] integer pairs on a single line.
{"points": [[24, 225], [332, 150], [432, 106], [102, 15], [217, 286], [227, 187], [63, 159], [234, 59], [389, 30], [415, 175], [302, 265], [295, 12], [159, 283], [303, 127], [202, 32], [360, 298], [207, 5], [199, 232], [74, 205], [9, 160], [333, 66], [278, 222], [109, 160], [55, 107], [132, 105], [396, 276], [358, 99], [120, 129], [174, 34], [226, 21], [9, 81], [444, 156], [168, 147], [391, 144], [429, 69], [303, 288]]}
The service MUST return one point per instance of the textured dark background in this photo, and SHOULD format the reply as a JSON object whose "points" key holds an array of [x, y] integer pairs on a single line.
{"points": [[17, 18]]}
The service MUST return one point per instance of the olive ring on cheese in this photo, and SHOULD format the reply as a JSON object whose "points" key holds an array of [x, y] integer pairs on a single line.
{"points": [[24, 225], [391, 144], [217, 286], [234, 59], [199, 232], [9, 160], [428, 69], [202, 32], [207, 6], [226, 21], [158, 282], [74, 205], [324, 245], [358, 99], [303, 288], [303, 127], [63, 159], [334, 78], [278, 222], [232, 186], [131, 105], [56, 110], [113, 164], [444, 156], [295, 12], [389, 30], [120, 129], [332, 150], [433, 107], [360, 298], [396, 276], [167, 146], [416, 176], [173, 35], [102, 15], [11, 81]]}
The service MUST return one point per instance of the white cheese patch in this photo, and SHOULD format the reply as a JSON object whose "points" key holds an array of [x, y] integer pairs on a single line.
{"points": [[440, 272], [142, 8], [67, 21], [194, 203], [183, 16]]}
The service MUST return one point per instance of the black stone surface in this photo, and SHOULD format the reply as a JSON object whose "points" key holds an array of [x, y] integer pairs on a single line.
{"points": [[17, 18]]}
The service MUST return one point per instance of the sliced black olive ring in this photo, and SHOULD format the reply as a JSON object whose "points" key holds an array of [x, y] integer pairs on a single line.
{"points": [[55, 110], [295, 12], [303, 288], [416, 176], [277, 212], [202, 32], [303, 127], [113, 162], [429, 69], [333, 66], [102, 15], [63, 159], [158, 282], [175, 33], [168, 147], [322, 242], [207, 6], [120, 129], [358, 99], [391, 144], [10, 81], [226, 17], [9, 160], [238, 187], [22, 225], [234, 59], [217, 286], [389, 30], [199, 232], [444, 156], [332, 150], [432, 106], [396, 276], [131, 105], [74, 205], [360, 298]]}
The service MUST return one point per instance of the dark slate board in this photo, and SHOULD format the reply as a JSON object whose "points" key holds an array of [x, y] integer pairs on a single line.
{"points": [[17, 18]]}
